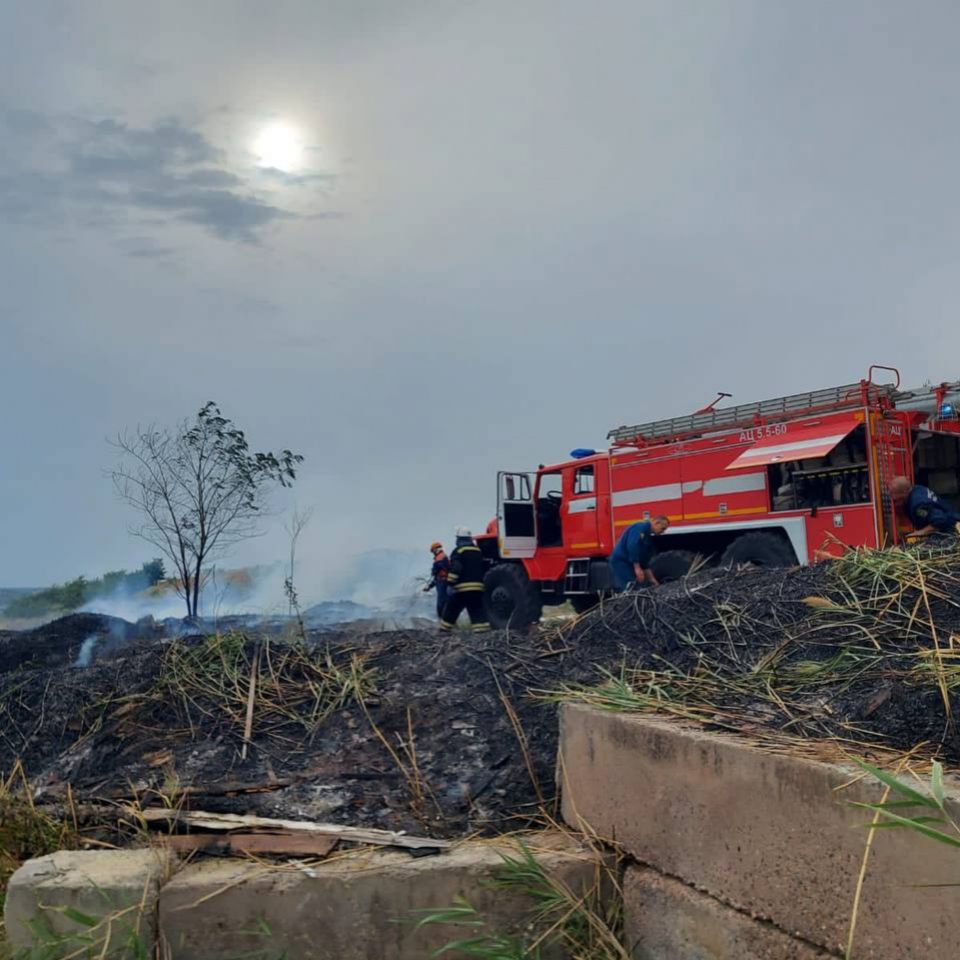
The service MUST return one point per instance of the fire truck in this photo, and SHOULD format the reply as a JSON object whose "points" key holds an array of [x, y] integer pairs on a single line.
{"points": [[776, 483]]}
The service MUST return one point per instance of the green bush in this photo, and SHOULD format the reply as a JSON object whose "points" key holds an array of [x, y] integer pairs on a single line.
{"points": [[65, 597]]}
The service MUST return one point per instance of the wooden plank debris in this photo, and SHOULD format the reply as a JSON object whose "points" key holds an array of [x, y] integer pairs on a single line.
{"points": [[260, 843], [233, 821]]}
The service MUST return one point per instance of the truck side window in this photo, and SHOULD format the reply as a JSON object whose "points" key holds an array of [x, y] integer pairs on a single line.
{"points": [[583, 480], [516, 487]]}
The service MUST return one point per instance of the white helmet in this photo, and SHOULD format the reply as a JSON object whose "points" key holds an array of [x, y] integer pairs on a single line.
{"points": [[463, 532]]}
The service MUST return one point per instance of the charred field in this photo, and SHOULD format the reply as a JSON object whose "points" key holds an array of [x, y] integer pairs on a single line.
{"points": [[449, 735]]}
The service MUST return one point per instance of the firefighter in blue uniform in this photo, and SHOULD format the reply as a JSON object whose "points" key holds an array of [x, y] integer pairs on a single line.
{"points": [[438, 575], [630, 560], [925, 510], [465, 584]]}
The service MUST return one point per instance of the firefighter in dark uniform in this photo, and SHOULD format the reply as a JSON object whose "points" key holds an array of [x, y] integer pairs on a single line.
{"points": [[630, 560], [465, 584], [438, 575], [925, 510]]}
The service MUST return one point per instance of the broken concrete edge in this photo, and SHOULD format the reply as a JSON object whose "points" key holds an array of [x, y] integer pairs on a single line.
{"points": [[772, 835], [104, 899], [150, 895]]}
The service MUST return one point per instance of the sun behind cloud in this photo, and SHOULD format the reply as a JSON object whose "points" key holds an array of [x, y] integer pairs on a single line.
{"points": [[279, 146]]}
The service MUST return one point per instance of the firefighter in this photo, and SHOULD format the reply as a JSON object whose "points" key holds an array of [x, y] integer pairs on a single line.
{"points": [[438, 575], [925, 510], [465, 584], [630, 560]]}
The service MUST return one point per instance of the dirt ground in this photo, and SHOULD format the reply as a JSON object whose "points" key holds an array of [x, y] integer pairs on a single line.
{"points": [[446, 735]]}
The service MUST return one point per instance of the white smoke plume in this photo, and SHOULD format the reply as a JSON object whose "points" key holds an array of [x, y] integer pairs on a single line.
{"points": [[384, 583], [86, 652]]}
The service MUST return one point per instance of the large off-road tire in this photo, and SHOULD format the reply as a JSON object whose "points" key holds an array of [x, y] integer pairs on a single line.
{"points": [[582, 602], [761, 549], [512, 601], [672, 565]]}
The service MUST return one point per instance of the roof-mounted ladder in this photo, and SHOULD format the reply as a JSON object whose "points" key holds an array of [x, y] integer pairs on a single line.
{"points": [[750, 414]]}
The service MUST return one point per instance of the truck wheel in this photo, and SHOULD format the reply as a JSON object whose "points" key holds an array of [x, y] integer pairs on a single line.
{"points": [[761, 549], [672, 565], [511, 599], [582, 602]]}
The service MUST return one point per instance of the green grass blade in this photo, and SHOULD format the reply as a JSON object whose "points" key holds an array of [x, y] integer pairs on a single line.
{"points": [[896, 785], [919, 827], [138, 948], [936, 783], [460, 913], [84, 919], [488, 948], [899, 826]]}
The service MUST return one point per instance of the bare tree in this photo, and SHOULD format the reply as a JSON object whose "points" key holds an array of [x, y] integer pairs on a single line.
{"points": [[298, 521], [199, 490]]}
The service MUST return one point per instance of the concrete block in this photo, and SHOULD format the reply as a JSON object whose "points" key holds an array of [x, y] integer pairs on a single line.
{"points": [[356, 907], [665, 919], [770, 834], [114, 890]]}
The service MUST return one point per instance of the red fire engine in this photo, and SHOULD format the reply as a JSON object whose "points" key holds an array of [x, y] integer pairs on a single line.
{"points": [[774, 483]]}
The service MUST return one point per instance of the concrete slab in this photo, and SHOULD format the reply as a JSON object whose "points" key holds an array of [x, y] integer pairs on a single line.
{"points": [[356, 907], [767, 833], [104, 901], [665, 919]]}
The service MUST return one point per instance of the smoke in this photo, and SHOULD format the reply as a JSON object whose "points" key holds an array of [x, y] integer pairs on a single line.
{"points": [[376, 578], [86, 652], [247, 591], [135, 607], [379, 583]]}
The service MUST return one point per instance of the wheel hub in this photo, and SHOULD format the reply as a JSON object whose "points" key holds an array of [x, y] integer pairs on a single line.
{"points": [[501, 601]]}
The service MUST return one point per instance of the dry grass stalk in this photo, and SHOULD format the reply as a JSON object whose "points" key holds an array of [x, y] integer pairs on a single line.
{"points": [[251, 700], [410, 770], [521, 736], [861, 877], [224, 680], [870, 631]]}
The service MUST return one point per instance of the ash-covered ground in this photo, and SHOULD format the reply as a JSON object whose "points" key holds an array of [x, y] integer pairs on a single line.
{"points": [[439, 734]]}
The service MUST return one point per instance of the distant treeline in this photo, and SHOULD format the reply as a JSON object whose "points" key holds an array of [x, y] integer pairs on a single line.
{"points": [[62, 598]]}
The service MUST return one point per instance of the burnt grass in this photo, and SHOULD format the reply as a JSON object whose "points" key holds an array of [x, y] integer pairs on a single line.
{"points": [[458, 733]]}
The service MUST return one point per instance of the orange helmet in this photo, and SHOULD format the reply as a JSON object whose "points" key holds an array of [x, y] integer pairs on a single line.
{"points": [[435, 546]]}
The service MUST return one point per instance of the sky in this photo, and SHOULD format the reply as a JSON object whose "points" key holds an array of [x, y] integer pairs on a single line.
{"points": [[420, 242]]}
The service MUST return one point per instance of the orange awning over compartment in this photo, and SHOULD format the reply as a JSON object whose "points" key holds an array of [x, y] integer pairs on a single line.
{"points": [[799, 444]]}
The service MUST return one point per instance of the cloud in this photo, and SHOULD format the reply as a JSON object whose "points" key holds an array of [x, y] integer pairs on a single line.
{"points": [[145, 248], [108, 172], [287, 179], [224, 212]]}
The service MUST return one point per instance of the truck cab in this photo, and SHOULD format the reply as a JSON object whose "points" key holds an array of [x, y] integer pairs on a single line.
{"points": [[546, 522]]}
